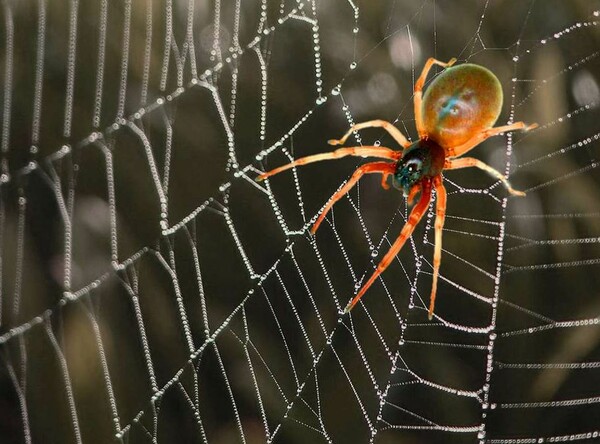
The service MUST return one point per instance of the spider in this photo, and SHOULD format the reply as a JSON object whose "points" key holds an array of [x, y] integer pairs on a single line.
{"points": [[456, 114]]}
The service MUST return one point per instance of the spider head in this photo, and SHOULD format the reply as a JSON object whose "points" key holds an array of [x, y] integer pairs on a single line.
{"points": [[422, 159], [408, 173]]}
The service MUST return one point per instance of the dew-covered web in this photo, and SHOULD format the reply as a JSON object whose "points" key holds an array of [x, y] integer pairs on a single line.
{"points": [[152, 291]]}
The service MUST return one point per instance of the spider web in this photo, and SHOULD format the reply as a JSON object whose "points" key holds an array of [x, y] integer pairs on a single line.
{"points": [[152, 291]]}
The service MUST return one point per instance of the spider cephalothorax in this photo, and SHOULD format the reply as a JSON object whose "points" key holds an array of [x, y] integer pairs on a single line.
{"points": [[457, 113], [422, 159]]}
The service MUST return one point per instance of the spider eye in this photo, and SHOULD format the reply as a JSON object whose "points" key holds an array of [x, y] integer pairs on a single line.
{"points": [[414, 165]]}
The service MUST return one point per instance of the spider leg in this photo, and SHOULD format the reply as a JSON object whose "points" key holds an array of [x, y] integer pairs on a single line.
{"points": [[360, 151], [419, 91], [389, 127], [440, 215], [466, 162], [415, 216], [384, 168], [486, 134]]}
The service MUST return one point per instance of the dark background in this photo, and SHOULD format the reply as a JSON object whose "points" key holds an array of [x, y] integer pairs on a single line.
{"points": [[135, 314]]}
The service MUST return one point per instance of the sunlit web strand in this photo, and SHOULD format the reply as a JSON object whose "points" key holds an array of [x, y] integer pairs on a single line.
{"points": [[135, 116]]}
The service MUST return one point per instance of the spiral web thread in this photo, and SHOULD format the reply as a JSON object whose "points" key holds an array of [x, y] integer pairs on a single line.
{"points": [[261, 365]]}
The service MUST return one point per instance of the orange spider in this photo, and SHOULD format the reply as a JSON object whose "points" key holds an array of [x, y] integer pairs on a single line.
{"points": [[457, 113]]}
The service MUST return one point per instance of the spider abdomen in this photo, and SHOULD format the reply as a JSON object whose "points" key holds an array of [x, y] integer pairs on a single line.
{"points": [[463, 100]]}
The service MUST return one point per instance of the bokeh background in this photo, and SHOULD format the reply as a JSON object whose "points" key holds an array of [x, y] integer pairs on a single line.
{"points": [[152, 292]]}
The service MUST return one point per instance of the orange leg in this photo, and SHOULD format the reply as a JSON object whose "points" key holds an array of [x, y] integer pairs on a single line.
{"points": [[440, 215], [384, 168], [486, 134], [415, 216], [389, 127], [466, 162], [360, 151], [419, 91]]}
